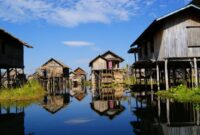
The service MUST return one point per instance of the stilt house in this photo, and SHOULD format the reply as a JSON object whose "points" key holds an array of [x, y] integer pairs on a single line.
{"points": [[105, 69], [11, 55], [170, 48]]}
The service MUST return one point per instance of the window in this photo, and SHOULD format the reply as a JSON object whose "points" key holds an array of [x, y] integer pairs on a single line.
{"points": [[193, 36]]}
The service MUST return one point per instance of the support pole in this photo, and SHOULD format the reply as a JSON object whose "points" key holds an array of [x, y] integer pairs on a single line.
{"points": [[0, 79], [151, 80], [168, 111], [135, 57], [8, 77], [195, 72], [140, 76], [166, 75], [158, 76]]}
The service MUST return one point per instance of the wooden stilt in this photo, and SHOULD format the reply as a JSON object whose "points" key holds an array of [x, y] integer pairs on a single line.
{"points": [[8, 77], [191, 80], [135, 56], [185, 79], [0, 79], [159, 107], [136, 76], [174, 76], [195, 72], [158, 76], [140, 76], [197, 117], [166, 75], [168, 111], [151, 80]]}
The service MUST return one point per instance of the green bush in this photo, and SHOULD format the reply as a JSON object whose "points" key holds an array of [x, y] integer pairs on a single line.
{"points": [[30, 91], [182, 94]]}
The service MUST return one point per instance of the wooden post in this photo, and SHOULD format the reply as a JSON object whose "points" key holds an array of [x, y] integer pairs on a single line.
{"points": [[140, 76], [191, 80], [174, 76], [185, 71], [166, 75], [158, 76], [151, 80], [0, 79], [168, 111], [135, 56], [197, 117], [195, 72], [159, 107], [8, 77], [136, 76]]}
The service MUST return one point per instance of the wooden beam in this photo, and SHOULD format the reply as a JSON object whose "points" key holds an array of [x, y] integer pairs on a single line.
{"points": [[166, 75], [158, 76], [195, 72]]}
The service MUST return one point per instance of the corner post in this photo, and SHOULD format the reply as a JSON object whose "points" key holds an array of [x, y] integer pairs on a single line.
{"points": [[195, 72], [166, 75], [158, 75]]}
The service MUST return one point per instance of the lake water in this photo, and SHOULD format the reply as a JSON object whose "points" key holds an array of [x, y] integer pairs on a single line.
{"points": [[94, 112]]}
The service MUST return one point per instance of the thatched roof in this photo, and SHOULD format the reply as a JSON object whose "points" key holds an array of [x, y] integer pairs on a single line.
{"points": [[115, 55], [118, 58], [58, 62], [16, 39], [79, 71], [156, 24]]}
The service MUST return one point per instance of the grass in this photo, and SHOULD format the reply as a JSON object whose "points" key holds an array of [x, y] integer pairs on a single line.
{"points": [[130, 80], [30, 91], [182, 94]]}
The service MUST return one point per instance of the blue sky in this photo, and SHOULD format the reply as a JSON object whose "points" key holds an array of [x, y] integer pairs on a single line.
{"points": [[76, 31]]}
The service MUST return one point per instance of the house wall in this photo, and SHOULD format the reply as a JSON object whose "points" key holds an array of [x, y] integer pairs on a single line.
{"points": [[12, 54], [99, 64], [115, 64], [53, 69], [172, 39]]}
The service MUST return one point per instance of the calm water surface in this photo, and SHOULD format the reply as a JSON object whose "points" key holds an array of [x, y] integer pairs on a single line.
{"points": [[99, 113]]}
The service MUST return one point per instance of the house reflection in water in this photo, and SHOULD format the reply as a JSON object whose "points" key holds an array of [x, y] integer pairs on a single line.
{"points": [[12, 121], [106, 102], [162, 117], [56, 102], [79, 92]]}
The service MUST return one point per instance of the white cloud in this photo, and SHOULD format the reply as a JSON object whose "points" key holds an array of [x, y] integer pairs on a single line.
{"points": [[78, 121], [70, 13], [77, 43]]}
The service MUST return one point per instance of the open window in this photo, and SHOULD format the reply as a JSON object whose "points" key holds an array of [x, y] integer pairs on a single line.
{"points": [[193, 36]]}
